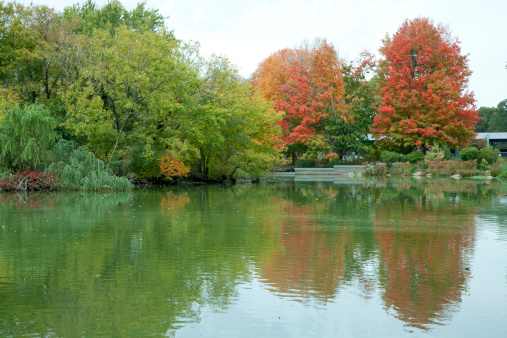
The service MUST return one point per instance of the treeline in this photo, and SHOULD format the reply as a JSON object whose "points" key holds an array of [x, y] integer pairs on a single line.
{"points": [[494, 119], [93, 92], [412, 98], [96, 93]]}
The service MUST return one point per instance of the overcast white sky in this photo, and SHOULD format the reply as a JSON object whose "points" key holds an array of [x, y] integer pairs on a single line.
{"points": [[249, 31]]}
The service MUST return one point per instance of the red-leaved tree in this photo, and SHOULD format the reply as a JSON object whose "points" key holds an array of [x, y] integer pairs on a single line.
{"points": [[306, 84], [424, 89], [302, 110]]}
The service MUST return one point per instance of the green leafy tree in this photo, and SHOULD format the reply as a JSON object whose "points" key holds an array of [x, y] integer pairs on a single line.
{"points": [[485, 113], [113, 15], [228, 131], [351, 134], [127, 91], [494, 119], [36, 54], [498, 120]]}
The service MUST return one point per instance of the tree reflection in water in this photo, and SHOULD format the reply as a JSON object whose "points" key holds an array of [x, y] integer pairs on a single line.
{"points": [[75, 264]]}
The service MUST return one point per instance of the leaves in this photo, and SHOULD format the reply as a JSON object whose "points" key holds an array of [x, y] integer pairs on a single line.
{"points": [[127, 85], [424, 88], [171, 166], [27, 135], [327, 103]]}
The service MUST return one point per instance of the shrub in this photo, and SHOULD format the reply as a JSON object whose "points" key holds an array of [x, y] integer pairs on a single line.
{"points": [[447, 152], [306, 163], [477, 143], [502, 175], [377, 169], [496, 170], [171, 166], [389, 157], [5, 173], [469, 154], [29, 180], [78, 168], [434, 154], [399, 168], [331, 156], [489, 154], [450, 167], [414, 157], [143, 167], [484, 164]]}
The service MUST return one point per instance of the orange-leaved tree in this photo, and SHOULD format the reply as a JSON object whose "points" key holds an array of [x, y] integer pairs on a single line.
{"points": [[172, 166], [424, 89], [306, 84]]}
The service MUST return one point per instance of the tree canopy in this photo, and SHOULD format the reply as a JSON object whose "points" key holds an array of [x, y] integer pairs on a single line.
{"points": [[494, 119], [320, 97], [118, 82], [121, 88], [424, 88]]}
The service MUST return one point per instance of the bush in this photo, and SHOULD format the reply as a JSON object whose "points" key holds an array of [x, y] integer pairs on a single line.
{"points": [[502, 175], [5, 173], [470, 154], [450, 167], [414, 157], [78, 168], [389, 157], [496, 170], [399, 169], [29, 180], [330, 164], [377, 169], [447, 152], [434, 154], [477, 143], [489, 154], [306, 163]]}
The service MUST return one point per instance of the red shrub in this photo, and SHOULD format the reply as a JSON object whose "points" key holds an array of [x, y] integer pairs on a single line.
{"points": [[29, 180]]}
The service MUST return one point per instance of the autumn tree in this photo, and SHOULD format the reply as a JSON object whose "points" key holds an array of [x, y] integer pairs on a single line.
{"points": [[328, 104], [274, 71], [306, 84], [424, 89]]}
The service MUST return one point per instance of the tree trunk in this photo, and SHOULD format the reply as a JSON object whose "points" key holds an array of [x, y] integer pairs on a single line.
{"points": [[117, 141]]}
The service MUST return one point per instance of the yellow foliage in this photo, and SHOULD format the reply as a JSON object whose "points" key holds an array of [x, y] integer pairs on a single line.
{"points": [[171, 166], [331, 156], [7, 101]]}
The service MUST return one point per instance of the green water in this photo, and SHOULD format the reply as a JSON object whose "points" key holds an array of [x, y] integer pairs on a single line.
{"points": [[286, 259]]}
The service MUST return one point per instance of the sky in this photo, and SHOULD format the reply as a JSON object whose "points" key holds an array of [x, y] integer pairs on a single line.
{"points": [[249, 31]]}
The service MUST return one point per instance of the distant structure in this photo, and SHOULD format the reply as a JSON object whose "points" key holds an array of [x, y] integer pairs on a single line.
{"points": [[493, 138]]}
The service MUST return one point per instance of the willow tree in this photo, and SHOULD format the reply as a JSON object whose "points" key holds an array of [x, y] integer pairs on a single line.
{"points": [[26, 138], [127, 81]]}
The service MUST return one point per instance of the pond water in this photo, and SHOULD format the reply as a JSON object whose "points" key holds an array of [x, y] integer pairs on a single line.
{"points": [[283, 259]]}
